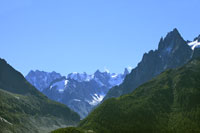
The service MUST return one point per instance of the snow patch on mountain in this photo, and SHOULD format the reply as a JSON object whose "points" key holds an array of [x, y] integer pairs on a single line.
{"points": [[80, 76], [106, 70], [116, 79], [97, 98], [194, 44], [66, 82], [60, 85], [77, 100], [129, 68]]}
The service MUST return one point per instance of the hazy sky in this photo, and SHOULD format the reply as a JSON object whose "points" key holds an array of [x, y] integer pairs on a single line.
{"points": [[85, 35]]}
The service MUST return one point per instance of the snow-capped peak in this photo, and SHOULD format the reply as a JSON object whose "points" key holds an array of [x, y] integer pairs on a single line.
{"points": [[129, 68], [106, 70], [80, 77], [41, 79]]}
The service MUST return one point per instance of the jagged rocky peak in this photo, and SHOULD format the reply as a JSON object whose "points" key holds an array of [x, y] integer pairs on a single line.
{"points": [[99, 73], [126, 71], [173, 51], [172, 40], [41, 79], [197, 38], [173, 48], [173, 34], [80, 77], [160, 45]]}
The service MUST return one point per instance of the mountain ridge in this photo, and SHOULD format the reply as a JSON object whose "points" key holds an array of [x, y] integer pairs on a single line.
{"points": [[170, 102], [173, 51], [24, 109]]}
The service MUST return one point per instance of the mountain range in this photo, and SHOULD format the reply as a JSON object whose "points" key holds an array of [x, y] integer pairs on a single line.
{"points": [[161, 94], [79, 91], [166, 100], [82, 92], [169, 103]]}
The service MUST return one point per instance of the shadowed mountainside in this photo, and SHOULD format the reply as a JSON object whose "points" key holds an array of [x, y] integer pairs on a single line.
{"points": [[24, 109]]}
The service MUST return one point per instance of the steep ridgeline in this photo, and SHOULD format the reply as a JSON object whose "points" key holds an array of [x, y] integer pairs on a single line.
{"points": [[172, 52], [170, 103], [24, 109], [80, 91], [40, 79]]}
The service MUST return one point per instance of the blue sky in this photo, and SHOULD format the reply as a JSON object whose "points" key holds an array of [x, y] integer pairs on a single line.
{"points": [[85, 35]]}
